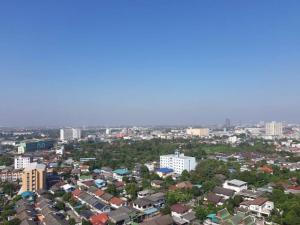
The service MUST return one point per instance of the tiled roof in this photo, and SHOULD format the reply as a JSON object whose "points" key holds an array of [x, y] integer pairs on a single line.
{"points": [[116, 201], [76, 192], [162, 220], [223, 191], [211, 197], [99, 219], [179, 208], [257, 201], [99, 193]]}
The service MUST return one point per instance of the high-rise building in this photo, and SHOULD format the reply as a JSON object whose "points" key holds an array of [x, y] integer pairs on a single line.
{"points": [[70, 134], [21, 162], [178, 162], [227, 123], [200, 132], [274, 129], [34, 178]]}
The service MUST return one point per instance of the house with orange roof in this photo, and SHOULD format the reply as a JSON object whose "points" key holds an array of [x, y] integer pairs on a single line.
{"points": [[76, 192], [117, 202], [99, 219], [99, 193], [266, 169]]}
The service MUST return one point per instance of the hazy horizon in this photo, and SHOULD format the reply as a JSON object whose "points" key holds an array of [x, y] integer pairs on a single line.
{"points": [[69, 63]]}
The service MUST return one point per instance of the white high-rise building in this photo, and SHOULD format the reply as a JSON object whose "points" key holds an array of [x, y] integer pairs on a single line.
{"points": [[274, 129], [21, 162], [178, 162], [70, 134], [108, 131]]}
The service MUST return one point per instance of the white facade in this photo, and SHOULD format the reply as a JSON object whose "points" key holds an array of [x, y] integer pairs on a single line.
{"points": [[261, 208], [60, 151], [232, 139], [70, 134], [200, 132], [178, 162], [274, 129], [236, 185], [21, 162]]}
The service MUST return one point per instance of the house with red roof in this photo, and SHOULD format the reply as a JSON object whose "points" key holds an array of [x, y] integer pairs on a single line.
{"points": [[178, 210], [99, 219], [116, 202], [294, 189]]}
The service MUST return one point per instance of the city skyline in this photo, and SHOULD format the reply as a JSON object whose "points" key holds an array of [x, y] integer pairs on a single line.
{"points": [[68, 63]]}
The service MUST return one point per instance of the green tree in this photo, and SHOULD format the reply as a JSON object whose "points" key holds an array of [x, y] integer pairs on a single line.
{"points": [[131, 189], [185, 176], [72, 221], [112, 189], [67, 197]]}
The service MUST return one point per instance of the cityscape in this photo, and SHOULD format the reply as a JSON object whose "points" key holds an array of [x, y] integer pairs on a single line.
{"points": [[149, 112]]}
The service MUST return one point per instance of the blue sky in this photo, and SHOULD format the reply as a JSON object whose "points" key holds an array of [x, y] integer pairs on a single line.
{"points": [[148, 62]]}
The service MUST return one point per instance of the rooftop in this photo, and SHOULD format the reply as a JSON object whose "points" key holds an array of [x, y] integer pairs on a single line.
{"points": [[35, 166], [236, 182]]}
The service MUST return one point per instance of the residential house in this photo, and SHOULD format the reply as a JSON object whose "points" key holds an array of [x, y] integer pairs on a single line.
{"points": [[250, 194], [142, 204], [125, 215], [260, 207], [161, 220], [117, 202], [214, 199], [236, 185], [99, 219], [119, 174], [223, 192], [156, 183]]}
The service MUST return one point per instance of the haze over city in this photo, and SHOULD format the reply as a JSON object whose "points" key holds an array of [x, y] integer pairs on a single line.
{"points": [[69, 63]]}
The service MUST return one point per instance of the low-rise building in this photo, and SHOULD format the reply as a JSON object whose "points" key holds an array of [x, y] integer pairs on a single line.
{"points": [[260, 207], [119, 174], [236, 185]]}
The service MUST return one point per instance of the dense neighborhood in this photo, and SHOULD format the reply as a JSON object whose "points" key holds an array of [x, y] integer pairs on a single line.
{"points": [[195, 176]]}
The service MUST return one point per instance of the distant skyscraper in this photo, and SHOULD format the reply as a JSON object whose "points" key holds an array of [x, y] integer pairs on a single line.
{"points": [[227, 123], [34, 177], [274, 129], [70, 134]]}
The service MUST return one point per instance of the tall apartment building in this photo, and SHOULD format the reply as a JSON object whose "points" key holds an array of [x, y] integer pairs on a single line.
{"points": [[274, 129], [34, 178], [70, 134], [200, 132], [178, 162], [21, 162]]}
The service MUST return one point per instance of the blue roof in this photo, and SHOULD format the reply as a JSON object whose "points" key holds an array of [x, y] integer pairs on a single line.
{"points": [[213, 217], [100, 205], [99, 181], [165, 170], [150, 211], [121, 171], [27, 194]]}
